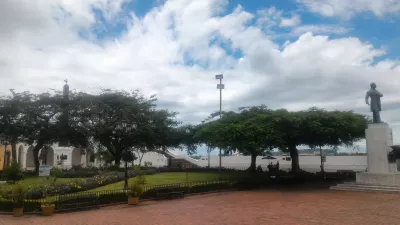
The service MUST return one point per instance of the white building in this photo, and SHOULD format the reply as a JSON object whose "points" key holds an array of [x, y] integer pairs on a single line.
{"points": [[55, 155]]}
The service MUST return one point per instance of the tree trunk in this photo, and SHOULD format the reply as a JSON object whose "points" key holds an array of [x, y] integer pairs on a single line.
{"points": [[140, 159], [14, 151], [117, 158], [209, 152], [36, 150], [322, 162], [126, 176], [252, 167], [294, 154]]}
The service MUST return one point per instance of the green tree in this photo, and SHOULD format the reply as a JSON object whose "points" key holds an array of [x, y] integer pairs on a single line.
{"points": [[41, 121], [12, 109], [247, 131], [187, 138], [121, 121], [333, 128], [288, 130]]}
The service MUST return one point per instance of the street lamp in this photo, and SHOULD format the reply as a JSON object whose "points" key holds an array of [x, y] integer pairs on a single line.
{"points": [[220, 86], [127, 155]]}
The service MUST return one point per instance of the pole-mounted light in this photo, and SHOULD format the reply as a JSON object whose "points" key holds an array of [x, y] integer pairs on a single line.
{"points": [[220, 86]]}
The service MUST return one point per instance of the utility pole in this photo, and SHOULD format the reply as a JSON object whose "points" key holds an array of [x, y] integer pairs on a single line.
{"points": [[208, 151], [220, 86]]}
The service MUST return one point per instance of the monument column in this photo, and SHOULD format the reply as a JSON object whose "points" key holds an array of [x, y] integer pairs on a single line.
{"points": [[379, 140]]}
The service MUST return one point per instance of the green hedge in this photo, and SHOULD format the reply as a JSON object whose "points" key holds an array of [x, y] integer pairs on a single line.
{"points": [[112, 198], [67, 202], [187, 188], [29, 206]]}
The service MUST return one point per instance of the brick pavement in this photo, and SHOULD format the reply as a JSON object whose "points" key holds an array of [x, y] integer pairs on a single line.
{"points": [[249, 207]]}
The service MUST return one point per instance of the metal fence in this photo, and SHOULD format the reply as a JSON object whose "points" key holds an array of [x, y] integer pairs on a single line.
{"points": [[86, 200]]}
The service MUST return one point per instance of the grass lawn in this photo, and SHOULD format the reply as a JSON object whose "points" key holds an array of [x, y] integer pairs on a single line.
{"points": [[164, 178], [36, 181]]}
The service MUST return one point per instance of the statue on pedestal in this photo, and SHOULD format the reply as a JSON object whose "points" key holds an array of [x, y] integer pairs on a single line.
{"points": [[375, 105]]}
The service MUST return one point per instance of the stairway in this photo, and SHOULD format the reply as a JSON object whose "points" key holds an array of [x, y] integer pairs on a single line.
{"points": [[352, 186]]}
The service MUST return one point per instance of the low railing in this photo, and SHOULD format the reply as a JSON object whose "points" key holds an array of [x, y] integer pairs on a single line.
{"points": [[99, 198]]}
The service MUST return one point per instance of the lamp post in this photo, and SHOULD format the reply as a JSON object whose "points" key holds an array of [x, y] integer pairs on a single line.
{"points": [[127, 155], [220, 86], [185, 166], [208, 151]]}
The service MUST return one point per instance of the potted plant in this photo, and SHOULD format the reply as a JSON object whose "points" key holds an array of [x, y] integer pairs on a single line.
{"points": [[134, 192], [47, 209], [18, 195]]}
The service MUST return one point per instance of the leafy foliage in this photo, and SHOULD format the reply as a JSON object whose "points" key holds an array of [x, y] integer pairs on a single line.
{"points": [[136, 187], [256, 130], [18, 196], [121, 121], [247, 131], [13, 172]]}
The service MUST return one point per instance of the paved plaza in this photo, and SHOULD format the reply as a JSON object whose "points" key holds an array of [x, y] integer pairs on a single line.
{"points": [[247, 207]]}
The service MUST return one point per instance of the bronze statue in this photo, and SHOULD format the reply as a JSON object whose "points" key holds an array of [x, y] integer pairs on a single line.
{"points": [[375, 105]]}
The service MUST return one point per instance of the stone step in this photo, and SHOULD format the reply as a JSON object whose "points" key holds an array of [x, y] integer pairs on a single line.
{"points": [[352, 186], [372, 186], [377, 190]]}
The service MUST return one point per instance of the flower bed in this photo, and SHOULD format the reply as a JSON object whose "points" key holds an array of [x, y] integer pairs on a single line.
{"points": [[117, 196], [79, 185]]}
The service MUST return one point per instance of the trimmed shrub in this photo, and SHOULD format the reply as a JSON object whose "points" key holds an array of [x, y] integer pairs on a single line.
{"points": [[29, 206], [77, 185], [112, 198], [56, 172], [188, 188], [13, 172]]}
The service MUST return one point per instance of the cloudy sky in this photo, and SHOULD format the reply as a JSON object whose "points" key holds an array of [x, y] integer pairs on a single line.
{"points": [[282, 53]]}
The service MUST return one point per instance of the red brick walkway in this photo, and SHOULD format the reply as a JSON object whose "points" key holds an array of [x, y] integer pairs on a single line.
{"points": [[252, 207]]}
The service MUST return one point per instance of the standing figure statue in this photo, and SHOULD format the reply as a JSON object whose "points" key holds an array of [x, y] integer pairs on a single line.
{"points": [[375, 105]]}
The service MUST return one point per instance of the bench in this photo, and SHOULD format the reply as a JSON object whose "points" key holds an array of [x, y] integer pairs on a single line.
{"points": [[169, 192], [77, 201]]}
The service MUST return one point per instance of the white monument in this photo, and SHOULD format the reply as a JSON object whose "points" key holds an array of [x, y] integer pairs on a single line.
{"points": [[380, 171]]}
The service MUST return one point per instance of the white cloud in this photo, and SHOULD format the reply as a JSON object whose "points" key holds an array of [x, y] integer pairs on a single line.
{"points": [[269, 17], [38, 52], [347, 8], [320, 29], [290, 22]]}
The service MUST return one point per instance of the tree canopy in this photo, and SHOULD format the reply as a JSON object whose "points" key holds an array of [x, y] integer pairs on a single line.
{"points": [[122, 122], [255, 130]]}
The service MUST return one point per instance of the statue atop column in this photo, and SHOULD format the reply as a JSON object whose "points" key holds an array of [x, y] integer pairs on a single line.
{"points": [[375, 104]]}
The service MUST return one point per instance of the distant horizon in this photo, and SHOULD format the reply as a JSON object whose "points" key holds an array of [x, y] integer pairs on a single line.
{"points": [[202, 151]]}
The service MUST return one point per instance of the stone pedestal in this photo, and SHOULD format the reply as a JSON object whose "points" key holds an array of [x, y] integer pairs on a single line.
{"points": [[381, 179], [380, 171], [379, 138]]}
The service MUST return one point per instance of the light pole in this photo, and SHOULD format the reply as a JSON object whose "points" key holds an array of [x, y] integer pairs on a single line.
{"points": [[220, 86], [208, 151], [127, 155]]}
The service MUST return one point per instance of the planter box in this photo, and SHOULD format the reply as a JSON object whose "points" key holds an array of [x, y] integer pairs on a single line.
{"points": [[18, 212], [133, 200], [47, 210]]}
